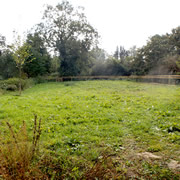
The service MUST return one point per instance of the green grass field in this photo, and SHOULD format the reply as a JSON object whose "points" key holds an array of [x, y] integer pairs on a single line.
{"points": [[83, 119]]}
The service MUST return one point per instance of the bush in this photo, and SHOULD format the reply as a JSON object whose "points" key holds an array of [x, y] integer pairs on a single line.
{"points": [[39, 80], [12, 84], [11, 87]]}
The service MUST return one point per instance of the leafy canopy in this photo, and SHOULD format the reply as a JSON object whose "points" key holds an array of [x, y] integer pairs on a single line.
{"points": [[21, 51], [67, 30]]}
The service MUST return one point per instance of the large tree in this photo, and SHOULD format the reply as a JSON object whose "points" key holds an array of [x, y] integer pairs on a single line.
{"points": [[150, 57], [66, 29], [41, 65], [175, 39]]}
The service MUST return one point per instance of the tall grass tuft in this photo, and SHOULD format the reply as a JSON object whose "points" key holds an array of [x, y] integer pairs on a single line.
{"points": [[17, 153]]}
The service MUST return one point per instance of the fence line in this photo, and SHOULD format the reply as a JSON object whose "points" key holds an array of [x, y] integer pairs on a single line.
{"points": [[167, 79]]}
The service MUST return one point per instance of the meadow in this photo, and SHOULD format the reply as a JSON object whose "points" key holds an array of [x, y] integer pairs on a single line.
{"points": [[84, 122]]}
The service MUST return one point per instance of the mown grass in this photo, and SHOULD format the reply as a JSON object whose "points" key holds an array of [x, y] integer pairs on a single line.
{"points": [[82, 119]]}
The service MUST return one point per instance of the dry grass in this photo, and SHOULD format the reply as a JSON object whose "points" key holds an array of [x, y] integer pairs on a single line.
{"points": [[112, 166], [17, 154], [103, 168]]}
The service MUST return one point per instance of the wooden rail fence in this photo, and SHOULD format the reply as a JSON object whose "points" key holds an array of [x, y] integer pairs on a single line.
{"points": [[166, 79]]}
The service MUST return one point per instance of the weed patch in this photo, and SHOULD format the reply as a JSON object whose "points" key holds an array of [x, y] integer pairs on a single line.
{"points": [[17, 153]]}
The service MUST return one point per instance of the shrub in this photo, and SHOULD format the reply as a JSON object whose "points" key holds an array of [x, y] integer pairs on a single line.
{"points": [[39, 80], [12, 84], [11, 87]]}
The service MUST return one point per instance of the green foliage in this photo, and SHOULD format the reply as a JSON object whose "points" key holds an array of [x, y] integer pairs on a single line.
{"points": [[170, 65], [155, 171], [159, 56], [175, 39], [154, 148], [11, 87], [106, 66], [149, 56], [71, 36], [39, 80], [115, 67], [55, 64], [8, 67], [121, 53], [20, 52], [12, 84], [41, 65]]}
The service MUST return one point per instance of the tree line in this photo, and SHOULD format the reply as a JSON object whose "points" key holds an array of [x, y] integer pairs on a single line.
{"points": [[66, 44]]}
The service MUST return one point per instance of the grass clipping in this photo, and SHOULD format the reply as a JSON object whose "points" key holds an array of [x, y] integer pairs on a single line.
{"points": [[17, 153]]}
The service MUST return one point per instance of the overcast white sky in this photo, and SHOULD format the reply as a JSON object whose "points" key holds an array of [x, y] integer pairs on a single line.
{"points": [[119, 22]]}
